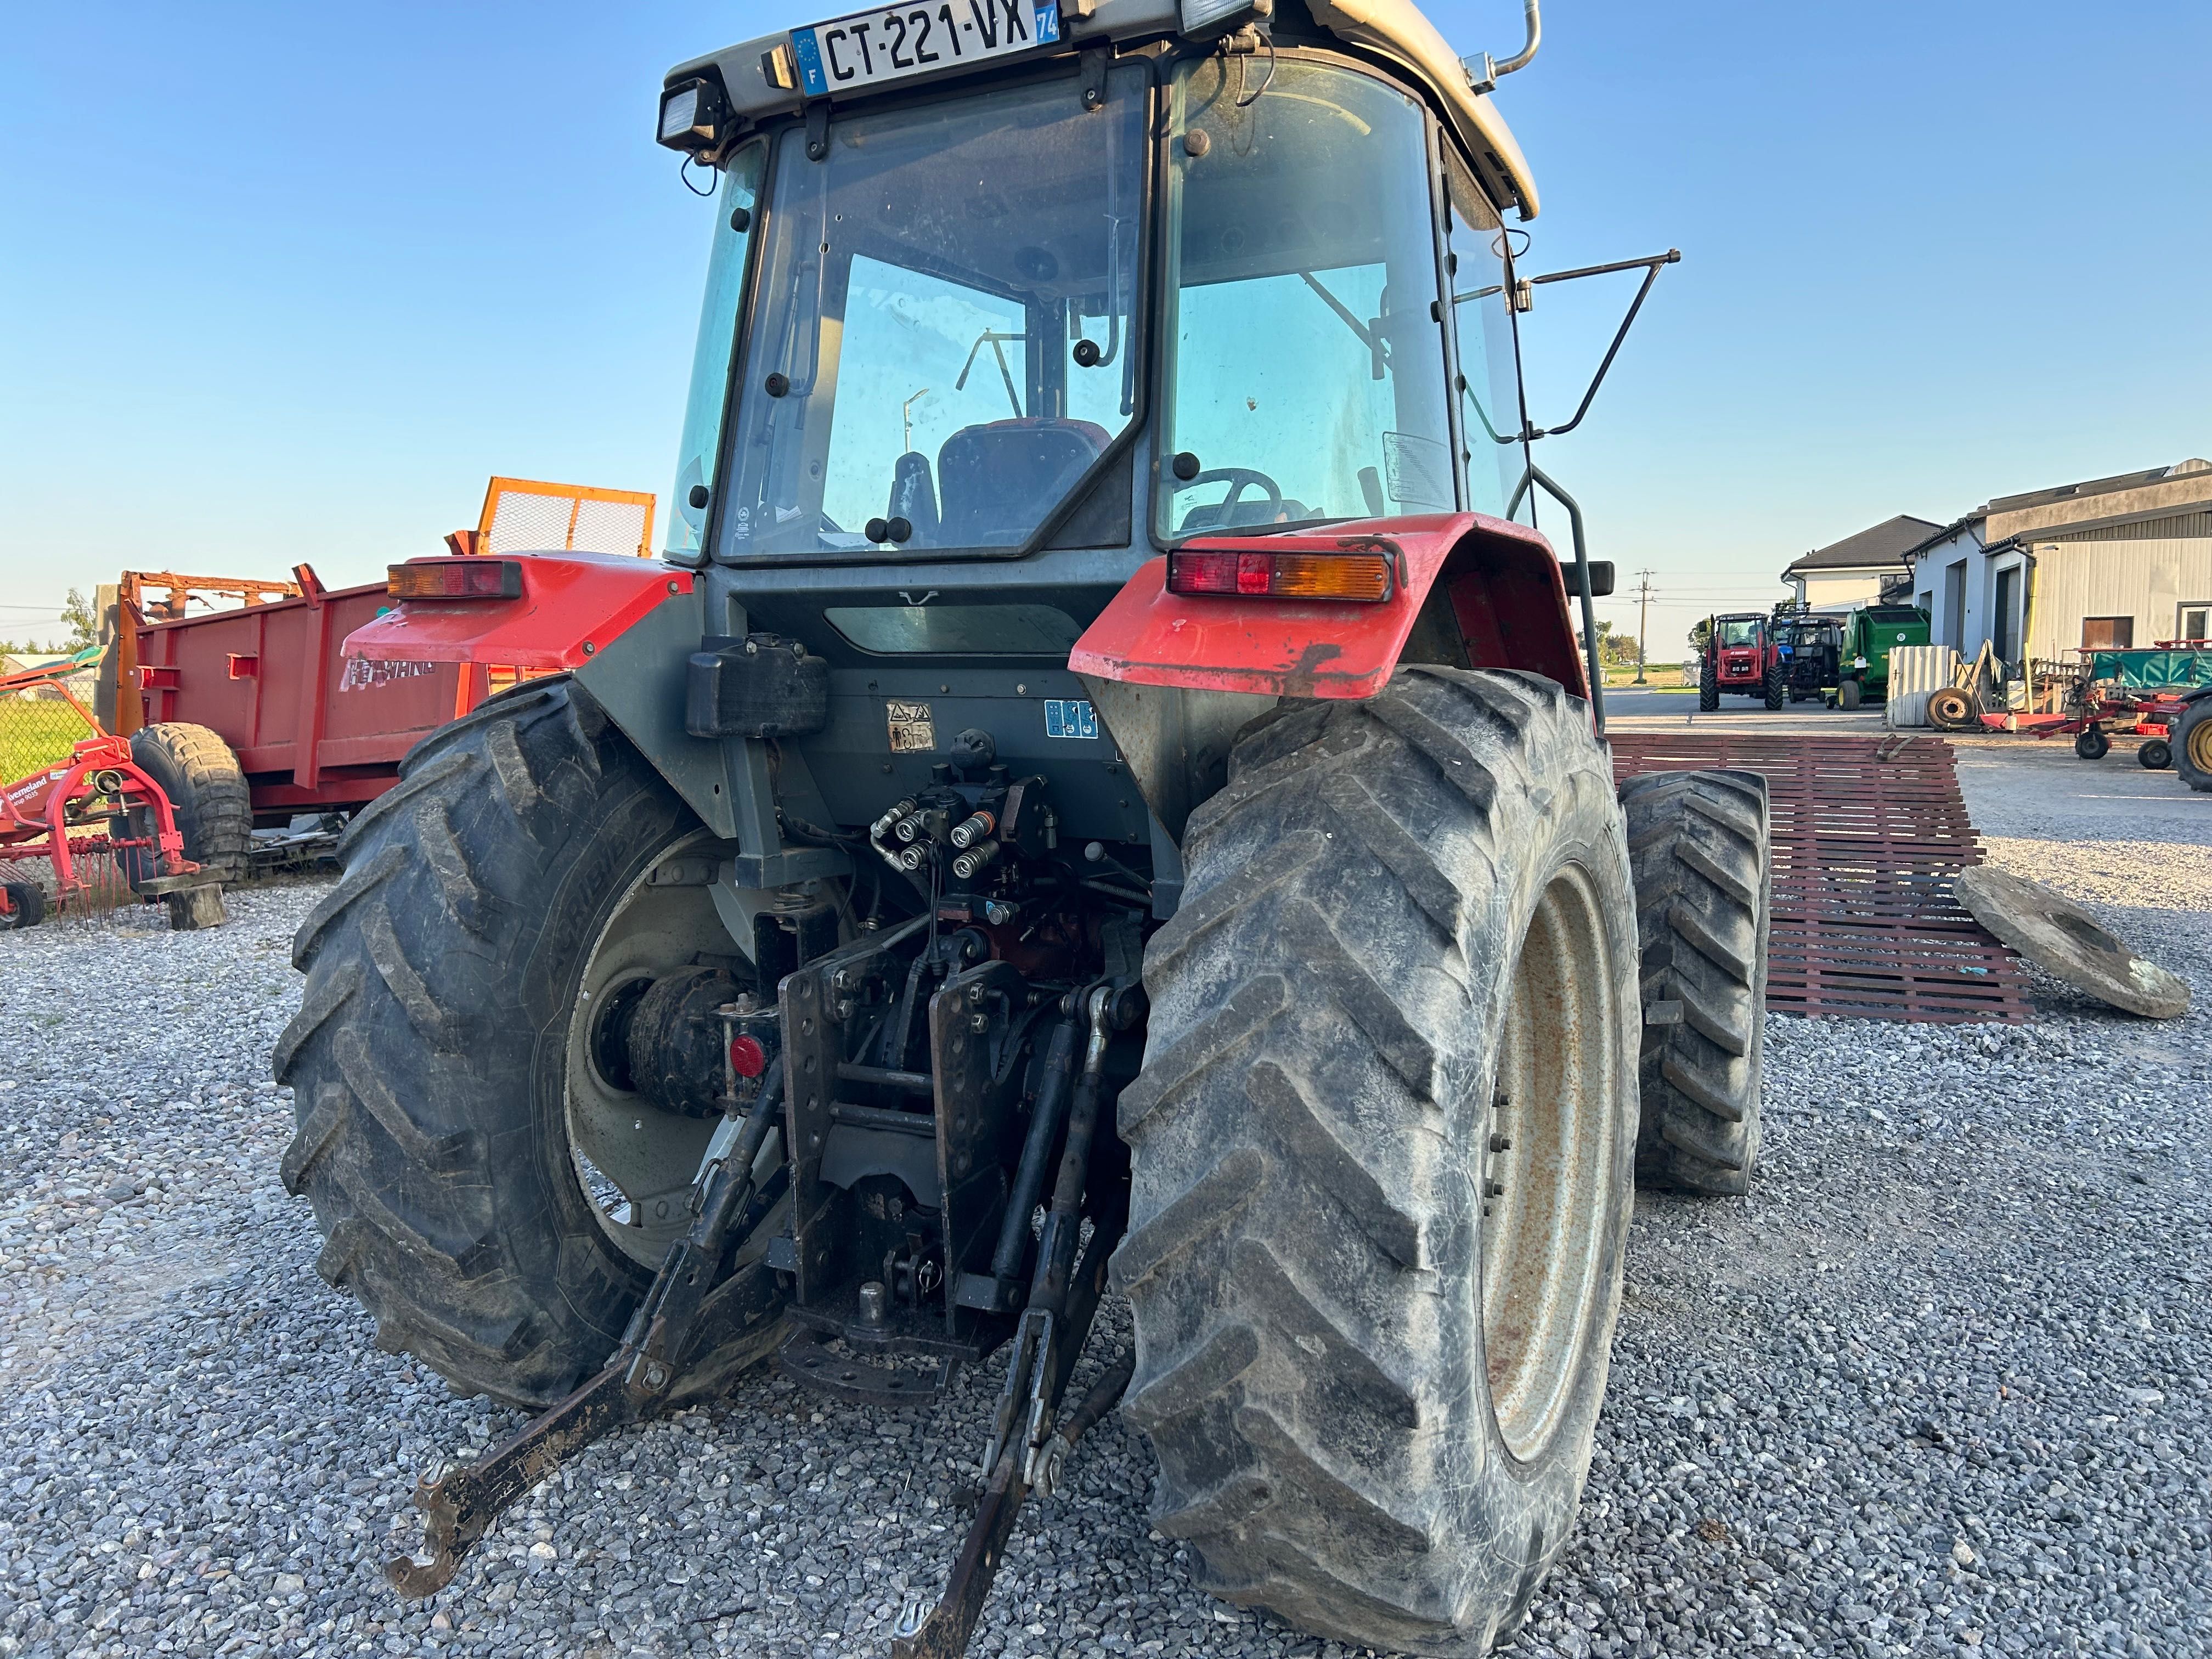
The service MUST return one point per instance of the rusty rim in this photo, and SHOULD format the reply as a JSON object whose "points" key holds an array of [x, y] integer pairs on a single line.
{"points": [[1547, 1154], [633, 1162]]}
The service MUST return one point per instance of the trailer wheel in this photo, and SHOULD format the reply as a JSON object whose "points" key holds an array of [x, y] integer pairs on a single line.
{"points": [[2092, 745], [206, 790], [2193, 744], [1848, 694], [486, 1191], [2154, 755], [1382, 1148], [1777, 684], [1709, 687], [26, 905], [1697, 844], [1951, 710]]}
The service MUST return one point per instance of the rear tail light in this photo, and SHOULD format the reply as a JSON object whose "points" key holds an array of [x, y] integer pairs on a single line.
{"points": [[1361, 577], [455, 579]]}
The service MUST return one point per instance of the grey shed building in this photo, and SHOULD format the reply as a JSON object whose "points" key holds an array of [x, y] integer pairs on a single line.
{"points": [[2111, 562]]}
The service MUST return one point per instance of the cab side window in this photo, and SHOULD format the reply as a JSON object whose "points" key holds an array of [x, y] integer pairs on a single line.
{"points": [[1491, 454]]}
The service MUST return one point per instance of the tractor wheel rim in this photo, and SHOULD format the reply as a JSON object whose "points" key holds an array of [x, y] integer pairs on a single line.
{"points": [[2199, 745], [633, 1161], [1542, 1239]]}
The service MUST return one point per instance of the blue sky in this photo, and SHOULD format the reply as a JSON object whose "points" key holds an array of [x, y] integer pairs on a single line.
{"points": [[288, 282]]}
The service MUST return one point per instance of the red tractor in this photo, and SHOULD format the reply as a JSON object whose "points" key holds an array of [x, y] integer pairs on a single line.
{"points": [[1741, 655], [1065, 830]]}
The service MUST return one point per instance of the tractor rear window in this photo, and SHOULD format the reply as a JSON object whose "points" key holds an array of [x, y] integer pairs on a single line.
{"points": [[942, 340], [1307, 361], [958, 630], [1744, 631]]}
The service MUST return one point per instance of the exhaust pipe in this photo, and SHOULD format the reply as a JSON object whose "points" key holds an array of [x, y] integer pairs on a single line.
{"points": [[1483, 71]]}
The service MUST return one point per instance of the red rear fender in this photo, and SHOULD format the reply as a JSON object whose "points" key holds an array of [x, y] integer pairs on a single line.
{"points": [[1499, 582], [571, 605]]}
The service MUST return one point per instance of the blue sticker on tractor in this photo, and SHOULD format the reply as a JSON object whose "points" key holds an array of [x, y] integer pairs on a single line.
{"points": [[1067, 718]]}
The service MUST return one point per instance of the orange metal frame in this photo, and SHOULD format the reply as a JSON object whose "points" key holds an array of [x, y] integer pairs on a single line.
{"points": [[134, 611], [577, 495], [480, 680]]}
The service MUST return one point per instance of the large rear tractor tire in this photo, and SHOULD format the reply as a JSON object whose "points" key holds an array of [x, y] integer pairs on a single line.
{"points": [[1697, 842], [1709, 687], [2193, 744], [1777, 684], [1382, 1147], [486, 1189], [207, 791]]}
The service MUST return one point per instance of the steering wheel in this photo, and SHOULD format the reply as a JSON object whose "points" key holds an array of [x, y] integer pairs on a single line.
{"points": [[1239, 479]]}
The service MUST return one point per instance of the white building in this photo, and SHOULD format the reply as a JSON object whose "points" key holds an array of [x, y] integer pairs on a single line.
{"points": [[1853, 572]]}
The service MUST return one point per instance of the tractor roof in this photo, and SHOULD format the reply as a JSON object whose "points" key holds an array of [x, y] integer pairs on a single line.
{"points": [[1392, 29]]}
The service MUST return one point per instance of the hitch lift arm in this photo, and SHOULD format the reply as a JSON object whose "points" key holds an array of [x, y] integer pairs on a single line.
{"points": [[678, 1317], [1026, 1452]]}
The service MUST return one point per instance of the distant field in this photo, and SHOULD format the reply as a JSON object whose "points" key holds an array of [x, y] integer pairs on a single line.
{"points": [[1657, 674]]}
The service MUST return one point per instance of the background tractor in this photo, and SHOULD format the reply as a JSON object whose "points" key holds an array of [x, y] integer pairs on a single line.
{"points": [[1741, 656], [1811, 649], [1100, 790]]}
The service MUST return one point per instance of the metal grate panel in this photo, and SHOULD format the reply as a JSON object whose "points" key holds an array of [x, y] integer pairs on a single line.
{"points": [[1869, 836], [524, 515]]}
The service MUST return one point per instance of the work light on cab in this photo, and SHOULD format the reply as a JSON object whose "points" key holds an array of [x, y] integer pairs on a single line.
{"points": [[1204, 18], [692, 116], [455, 579], [1364, 578]]}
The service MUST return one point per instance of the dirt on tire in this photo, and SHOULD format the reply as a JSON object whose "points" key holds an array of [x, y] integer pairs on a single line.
{"points": [[1308, 1242], [1698, 845], [426, 1058]]}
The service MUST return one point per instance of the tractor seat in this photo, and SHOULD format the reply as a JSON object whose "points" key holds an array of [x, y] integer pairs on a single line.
{"points": [[995, 481]]}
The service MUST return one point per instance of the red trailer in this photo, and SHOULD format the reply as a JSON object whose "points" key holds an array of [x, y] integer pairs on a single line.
{"points": [[311, 732], [250, 715]]}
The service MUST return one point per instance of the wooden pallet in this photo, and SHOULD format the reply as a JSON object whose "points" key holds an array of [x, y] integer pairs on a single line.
{"points": [[1869, 836]]}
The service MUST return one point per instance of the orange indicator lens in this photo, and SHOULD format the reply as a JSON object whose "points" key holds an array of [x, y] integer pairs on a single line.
{"points": [[455, 579], [1362, 577]]}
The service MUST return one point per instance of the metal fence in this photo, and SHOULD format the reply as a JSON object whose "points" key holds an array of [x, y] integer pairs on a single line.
{"points": [[36, 731]]}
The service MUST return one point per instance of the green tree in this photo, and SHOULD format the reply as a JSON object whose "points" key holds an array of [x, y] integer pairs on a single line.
{"points": [[81, 621]]}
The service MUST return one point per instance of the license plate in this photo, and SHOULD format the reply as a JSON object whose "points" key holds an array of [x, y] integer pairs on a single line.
{"points": [[895, 43]]}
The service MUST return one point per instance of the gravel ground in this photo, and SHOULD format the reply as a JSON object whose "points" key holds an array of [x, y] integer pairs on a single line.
{"points": [[1941, 1386]]}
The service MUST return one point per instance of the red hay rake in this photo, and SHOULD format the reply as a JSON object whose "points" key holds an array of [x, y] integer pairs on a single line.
{"points": [[69, 813]]}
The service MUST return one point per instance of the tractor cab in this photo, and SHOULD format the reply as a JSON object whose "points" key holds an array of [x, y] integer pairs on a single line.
{"points": [[995, 280]]}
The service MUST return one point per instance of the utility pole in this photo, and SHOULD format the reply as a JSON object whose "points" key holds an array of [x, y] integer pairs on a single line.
{"points": [[1642, 612]]}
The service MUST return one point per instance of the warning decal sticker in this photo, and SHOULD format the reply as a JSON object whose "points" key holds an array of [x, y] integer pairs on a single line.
{"points": [[912, 731]]}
